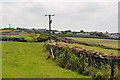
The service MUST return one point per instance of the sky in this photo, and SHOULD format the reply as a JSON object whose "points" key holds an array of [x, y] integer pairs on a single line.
{"points": [[75, 15]]}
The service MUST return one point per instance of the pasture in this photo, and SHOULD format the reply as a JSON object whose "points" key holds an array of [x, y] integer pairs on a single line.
{"points": [[105, 42], [109, 51], [0, 60], [27, 60], [17, 36]]}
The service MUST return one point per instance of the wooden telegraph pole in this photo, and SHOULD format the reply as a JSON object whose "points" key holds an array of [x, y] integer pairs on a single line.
{"points": [[9, 27], [50, 22]]}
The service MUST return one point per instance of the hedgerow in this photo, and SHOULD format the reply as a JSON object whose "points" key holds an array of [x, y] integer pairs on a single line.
{"points": [[81, 62]]}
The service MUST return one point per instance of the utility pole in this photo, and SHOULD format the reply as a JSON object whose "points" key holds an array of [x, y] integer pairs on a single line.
{"points": [[50, 22], [9, 28], [9, 31]]}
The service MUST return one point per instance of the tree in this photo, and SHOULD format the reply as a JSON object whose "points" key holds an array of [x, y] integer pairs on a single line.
{"points": [[81, 31], [68, 31], [74, 32], [63, 32], [18, 28]]}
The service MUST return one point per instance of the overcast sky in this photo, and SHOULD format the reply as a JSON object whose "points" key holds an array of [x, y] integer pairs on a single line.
{"points": [[69, 15]]}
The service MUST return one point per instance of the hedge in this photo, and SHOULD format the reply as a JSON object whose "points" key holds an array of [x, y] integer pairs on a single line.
{"points": [[82, 61]]}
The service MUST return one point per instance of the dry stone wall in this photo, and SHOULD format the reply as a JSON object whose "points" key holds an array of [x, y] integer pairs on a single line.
{"points": [[87, 62]]}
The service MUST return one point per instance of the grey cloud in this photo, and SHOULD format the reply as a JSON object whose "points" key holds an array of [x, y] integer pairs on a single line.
{"points": [[69, 15]]}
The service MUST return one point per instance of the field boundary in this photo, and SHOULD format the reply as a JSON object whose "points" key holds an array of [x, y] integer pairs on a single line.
{"points": [[86, 62]]}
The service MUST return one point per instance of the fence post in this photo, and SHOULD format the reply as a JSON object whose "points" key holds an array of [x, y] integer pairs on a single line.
{"points": [[112, 67], [89, 60], [51, 51], [83, 64]]}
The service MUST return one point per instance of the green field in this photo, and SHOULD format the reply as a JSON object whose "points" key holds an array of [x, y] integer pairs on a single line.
{"points": [[20, 33], [108, 51], [27, 60], [18, 36], [0, 60], [105, 42]]}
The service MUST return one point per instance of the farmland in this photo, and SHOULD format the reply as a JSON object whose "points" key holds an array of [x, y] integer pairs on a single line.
{"points": [[27, 60], [0, 60], [17, 36], [116, 52], [105, 42]]}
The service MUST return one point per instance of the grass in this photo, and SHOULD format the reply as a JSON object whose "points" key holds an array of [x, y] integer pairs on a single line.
{"points": [[96, 48], [105, 42], [0, 60], [26, 60], [19, 36], [20, 33], [5, 30]]}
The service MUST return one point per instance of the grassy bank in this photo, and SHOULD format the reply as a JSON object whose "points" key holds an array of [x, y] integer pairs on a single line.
{"points": [[26, 60]]}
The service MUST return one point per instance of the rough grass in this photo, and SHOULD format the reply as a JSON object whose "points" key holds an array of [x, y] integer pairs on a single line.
{"points": [[105, 42], [26, 60], [109, 51], [18, 36]]}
